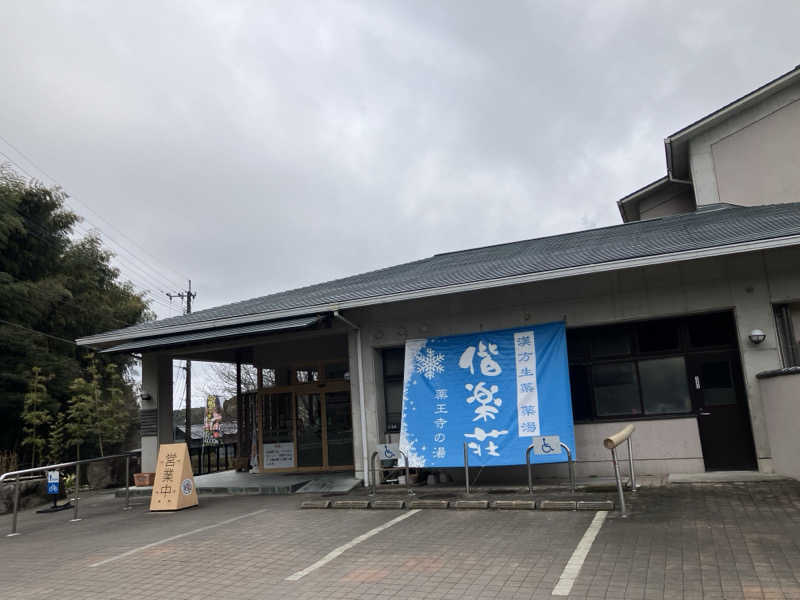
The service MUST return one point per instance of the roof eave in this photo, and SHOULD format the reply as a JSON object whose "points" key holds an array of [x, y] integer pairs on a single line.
{"points": [[721, 250]]}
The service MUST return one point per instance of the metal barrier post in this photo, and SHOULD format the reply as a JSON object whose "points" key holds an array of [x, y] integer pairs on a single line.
{"points": [[373, 483], [466, 467], [571, 466], [528, 464], [630, 465], [619, 482], [77, 489], [408, 474], [127, 483], [16, 507]]}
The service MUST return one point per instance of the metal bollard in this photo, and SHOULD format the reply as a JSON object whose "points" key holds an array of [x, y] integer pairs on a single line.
{"points": [[630, 465], [528, 464], [619, 483], [373, 482], [409, 491], [466, 466], [77, 492], [16, 507], [571, 466], [127, 483]]}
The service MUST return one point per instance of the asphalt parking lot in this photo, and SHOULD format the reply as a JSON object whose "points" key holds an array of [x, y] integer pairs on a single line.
{"points": [[683, 541]]}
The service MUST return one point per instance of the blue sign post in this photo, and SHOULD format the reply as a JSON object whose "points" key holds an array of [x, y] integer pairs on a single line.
{"points": [[53, 482], [495, 391]]}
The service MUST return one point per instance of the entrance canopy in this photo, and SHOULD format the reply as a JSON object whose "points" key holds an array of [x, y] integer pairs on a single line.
{"points": [[214, 334]]}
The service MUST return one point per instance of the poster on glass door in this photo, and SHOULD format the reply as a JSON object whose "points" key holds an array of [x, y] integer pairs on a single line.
{"points": [[498, 392]]}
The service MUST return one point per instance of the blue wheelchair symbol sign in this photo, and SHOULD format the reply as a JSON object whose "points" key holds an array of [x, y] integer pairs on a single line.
{"points": [[545, 445]]}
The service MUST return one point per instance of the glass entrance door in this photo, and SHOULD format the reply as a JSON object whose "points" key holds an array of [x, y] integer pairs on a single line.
{"points": [[309, 427], [339, 429]]}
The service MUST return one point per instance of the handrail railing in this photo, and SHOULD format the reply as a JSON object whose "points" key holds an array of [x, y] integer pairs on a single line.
{"points": [[570, 464], [5, 477], [611, 443]]}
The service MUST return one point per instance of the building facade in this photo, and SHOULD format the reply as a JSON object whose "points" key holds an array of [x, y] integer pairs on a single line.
{"points": [[662, 315]]}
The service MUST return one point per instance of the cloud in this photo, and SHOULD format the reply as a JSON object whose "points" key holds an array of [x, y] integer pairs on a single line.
{"points": [[257, 147]]}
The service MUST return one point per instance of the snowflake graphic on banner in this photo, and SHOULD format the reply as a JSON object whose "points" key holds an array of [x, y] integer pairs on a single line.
{"points": [[429, 364]]}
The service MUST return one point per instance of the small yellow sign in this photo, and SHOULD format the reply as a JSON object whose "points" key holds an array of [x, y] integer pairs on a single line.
{"points": [[173, 488]]}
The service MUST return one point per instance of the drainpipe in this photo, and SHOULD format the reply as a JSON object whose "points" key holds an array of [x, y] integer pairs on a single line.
{"points": [[364, 451], [668, 152]]}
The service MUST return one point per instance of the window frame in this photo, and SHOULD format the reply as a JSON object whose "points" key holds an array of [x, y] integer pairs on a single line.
{"points": [[684, 350]]}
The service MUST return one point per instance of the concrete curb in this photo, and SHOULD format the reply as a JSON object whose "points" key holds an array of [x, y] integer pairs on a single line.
{"points": [[556, 504], [471, 504], [316, 504], [514, 504], [428, 504], [387, 504], [351, 504], [595, 505]]}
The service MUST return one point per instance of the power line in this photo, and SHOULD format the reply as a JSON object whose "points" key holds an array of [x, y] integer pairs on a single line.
{"points": [[144, 291], [55, 337], [86, 206]]}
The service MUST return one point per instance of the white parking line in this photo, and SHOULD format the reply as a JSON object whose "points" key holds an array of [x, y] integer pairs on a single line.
{"points": [[575, 562], [176, 537], [355, 541]]}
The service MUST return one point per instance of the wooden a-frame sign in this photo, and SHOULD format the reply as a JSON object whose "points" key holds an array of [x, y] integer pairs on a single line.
{"points": [[173, 488]]}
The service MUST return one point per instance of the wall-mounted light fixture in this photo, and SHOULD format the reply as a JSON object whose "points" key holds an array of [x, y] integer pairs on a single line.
{"points": [[757, 336]]}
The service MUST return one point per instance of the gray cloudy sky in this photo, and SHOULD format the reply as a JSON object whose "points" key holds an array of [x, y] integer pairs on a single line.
{"points": [[259, 146]]}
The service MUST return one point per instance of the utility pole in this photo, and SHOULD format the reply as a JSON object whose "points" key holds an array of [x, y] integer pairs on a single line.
{"points": [[187, 295]]}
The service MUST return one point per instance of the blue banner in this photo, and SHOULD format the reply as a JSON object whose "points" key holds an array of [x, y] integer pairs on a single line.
{"points": [[498, 391]]}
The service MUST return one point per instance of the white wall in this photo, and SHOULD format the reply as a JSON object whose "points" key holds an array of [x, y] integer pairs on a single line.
{"points": [[752, 157], [736, 282], [760, 164], [782, 402]]}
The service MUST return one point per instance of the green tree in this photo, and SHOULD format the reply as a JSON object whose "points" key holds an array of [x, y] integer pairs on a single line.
{"points": [[56, 441], [35, 415], [98, 409], [57, 284]]}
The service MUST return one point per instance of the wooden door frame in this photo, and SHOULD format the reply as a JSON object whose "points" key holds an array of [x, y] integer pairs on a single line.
{"points": [[320, 388]]}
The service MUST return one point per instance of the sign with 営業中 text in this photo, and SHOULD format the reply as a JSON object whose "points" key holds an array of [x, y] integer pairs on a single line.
{"points": [[173, 486], [495, 391]]}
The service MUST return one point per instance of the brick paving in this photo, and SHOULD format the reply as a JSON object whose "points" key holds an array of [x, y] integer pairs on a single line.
{"points": [[684, 541]]}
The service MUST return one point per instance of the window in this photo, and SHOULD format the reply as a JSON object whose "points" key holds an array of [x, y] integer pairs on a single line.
{"points": [[665, 387], [638, 370], [393, 363], [787, 321], [659, 336], [711, 330], [616, 390]]}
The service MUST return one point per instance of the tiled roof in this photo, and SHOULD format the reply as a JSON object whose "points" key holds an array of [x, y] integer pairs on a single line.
{"points": [[709, 227]]}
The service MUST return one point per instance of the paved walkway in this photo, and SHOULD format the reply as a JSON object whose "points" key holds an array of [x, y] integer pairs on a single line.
{"points": [[684, 541]]}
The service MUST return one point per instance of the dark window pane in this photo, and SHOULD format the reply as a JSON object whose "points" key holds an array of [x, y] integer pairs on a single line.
{"points": [[581, 393], [393, 394], [664, 386], [716, 383], [656, 336], [616, 392], [611, 341], [577, 346], [336, 371], [393, 359], [716, 329]]}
